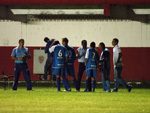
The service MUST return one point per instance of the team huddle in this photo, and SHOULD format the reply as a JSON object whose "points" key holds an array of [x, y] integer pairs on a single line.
{"points": [[62, 58]]}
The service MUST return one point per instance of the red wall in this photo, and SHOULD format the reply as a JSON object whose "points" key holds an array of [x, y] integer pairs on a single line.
{"points": [[136, 63]]}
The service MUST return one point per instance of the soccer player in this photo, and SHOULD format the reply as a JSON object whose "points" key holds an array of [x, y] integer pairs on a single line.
{"points": [[60, 57], [70, 64], [105, 67], [20, 54], [91, 62], [80, 54], [118, 65], [49, 61]]}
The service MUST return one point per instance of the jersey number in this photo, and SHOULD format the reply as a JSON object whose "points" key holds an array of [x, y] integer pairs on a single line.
{"points": [[70, 53], [93, 56], [59, 53]]}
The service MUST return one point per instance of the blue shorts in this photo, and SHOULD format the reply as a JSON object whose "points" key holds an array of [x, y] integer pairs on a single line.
{"points": [[91, 73], [70, 70], [59, 71]]}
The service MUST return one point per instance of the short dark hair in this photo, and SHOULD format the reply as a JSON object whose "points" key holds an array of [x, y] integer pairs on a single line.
{"points": [[116, 40], [46, 39], [21, 40], [102, 44], [65, 40], [83, 41], [92, 44], [56, 42]]}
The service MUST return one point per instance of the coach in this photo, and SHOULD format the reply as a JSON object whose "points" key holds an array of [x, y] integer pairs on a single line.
{"points": [[80, 54], [20, 54], [118, 66]]}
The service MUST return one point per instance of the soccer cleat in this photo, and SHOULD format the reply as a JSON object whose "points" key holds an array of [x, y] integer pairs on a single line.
{"points": [[85, 90], [77, 90], [129, 88], [69, 90], [114, 91], [107, 91]]}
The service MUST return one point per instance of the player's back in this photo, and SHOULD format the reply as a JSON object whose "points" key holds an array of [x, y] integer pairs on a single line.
{"points": [[72, 55], [59, 58], [92, 59], [106, 63]]}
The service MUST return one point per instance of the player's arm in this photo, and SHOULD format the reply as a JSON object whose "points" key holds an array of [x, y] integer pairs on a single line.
{"points": [[77, 53], [52, 43], [74, 55], [47, 47], [85, 61], [15, 58], [86, 56], [13, 55], [52, 49], [105, 58], [27, 54], [119, 57]]}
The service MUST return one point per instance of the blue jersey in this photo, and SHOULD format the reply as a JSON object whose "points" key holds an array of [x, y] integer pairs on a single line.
{"points": [[92, 59], [105, 64], [72, 55], [19, 52], [59, 58]]}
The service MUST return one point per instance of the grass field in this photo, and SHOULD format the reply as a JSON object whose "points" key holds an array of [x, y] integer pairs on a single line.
{"points": [[46, 99]]}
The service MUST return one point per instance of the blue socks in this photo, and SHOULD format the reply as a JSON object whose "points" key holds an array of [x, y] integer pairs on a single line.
{"points": [[58, 84], [86, 84], [66, 84], [94, 84], [75, 83]]}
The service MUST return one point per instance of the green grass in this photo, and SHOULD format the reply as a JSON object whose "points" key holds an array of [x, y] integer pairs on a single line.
{"points": [[46, 99]]}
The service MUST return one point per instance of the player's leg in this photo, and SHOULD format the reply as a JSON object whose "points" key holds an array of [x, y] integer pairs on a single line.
{"points": [[121, 80], [89, 84], [66, 84], [71, 72], [75, 82], [26, 74], [88, 74], [94, 84], [58, 82], [103, 81], [86, 84], [47, 64], [107, 80], [65, 80], [80, 73], [94, 75], [56, 72], [16, 76], [52, 77], [116, 84]]}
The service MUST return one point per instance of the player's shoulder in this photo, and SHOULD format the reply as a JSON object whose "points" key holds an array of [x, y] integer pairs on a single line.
{"points": [[62, 47], [70, 47], [88, 49], [16, 48], [25, 48], [106, 50], [80, 48]]}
